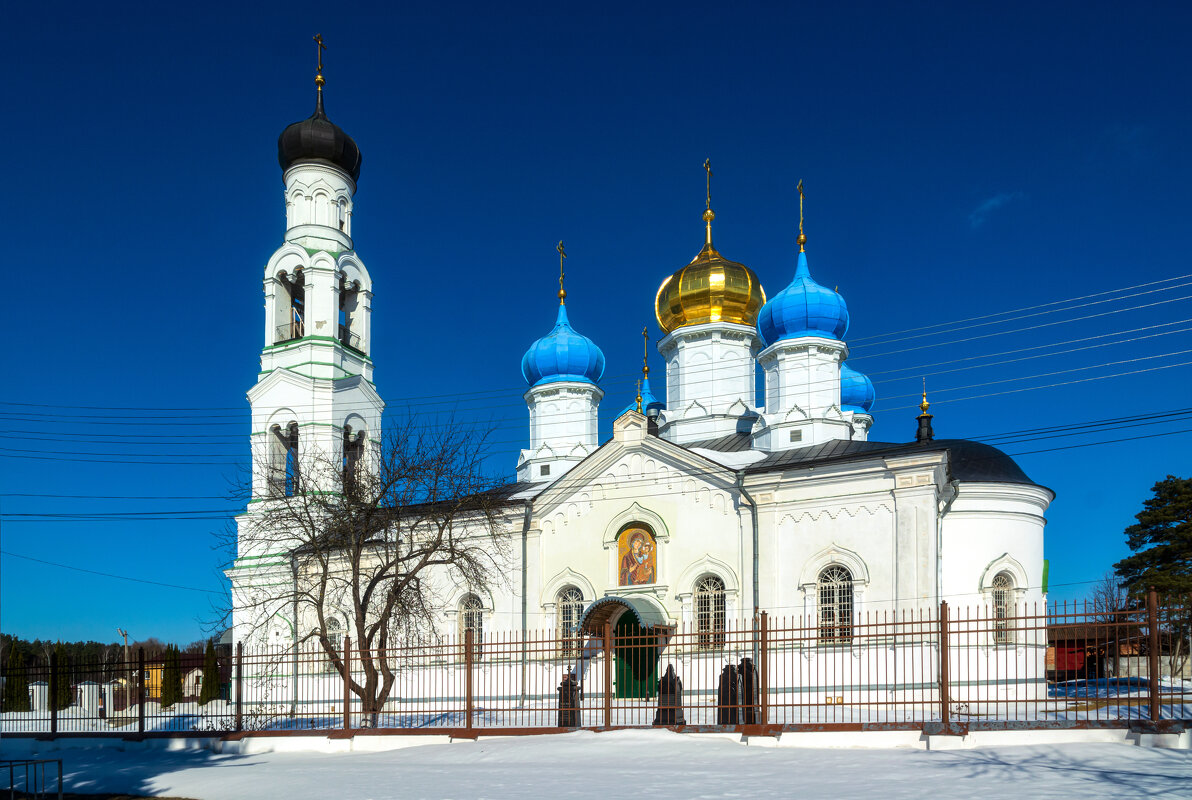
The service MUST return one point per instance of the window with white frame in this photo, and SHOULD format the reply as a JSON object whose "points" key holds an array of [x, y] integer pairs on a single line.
{"points": [[569, 609], [835, 594], [1002, 590], [471, 618], [709, 612], [335, 637]]}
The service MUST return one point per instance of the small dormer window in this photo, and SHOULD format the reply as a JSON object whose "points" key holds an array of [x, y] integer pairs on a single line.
{"points": [[796, 436], [544, 470]]}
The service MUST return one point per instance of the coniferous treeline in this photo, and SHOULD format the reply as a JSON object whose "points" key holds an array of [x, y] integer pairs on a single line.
{"points": [[36, 653]]}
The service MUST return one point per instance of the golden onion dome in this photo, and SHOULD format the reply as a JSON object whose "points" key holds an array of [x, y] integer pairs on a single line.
{"points": [[709, 289]]}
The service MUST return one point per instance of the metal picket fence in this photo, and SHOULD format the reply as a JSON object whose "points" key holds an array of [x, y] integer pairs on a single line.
{"points": [[1069, 666]]}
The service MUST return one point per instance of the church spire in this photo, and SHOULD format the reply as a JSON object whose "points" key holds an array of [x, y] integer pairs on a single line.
{"points": [[709, 214], [802, 240], [924, 433], [562, 255]]}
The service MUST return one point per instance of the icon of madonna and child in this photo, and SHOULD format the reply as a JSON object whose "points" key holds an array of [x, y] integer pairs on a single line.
{"points": [[638, 557]]}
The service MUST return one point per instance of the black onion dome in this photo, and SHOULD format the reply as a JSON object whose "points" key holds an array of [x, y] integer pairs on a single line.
{"points": [[320, 140]]}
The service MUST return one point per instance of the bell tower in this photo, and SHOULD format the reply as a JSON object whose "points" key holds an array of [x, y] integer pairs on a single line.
{"points": [[314, 404]]}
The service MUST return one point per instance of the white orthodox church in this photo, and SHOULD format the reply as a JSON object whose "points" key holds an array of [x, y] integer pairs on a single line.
{"points": [[704, 506]]}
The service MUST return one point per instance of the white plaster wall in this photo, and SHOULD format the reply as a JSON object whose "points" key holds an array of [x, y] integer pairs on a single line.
{"points": [[709, 380], [802, 379]]}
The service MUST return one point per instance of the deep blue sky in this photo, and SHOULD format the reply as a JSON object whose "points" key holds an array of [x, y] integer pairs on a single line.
{"points": [[959, 159]]}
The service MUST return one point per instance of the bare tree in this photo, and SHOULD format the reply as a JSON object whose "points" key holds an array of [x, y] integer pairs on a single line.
{"points": [[1116, 629], [374, 541]]}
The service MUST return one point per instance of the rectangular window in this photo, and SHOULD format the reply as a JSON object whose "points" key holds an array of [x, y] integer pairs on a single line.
{"points": [[796, 436], [544, 469]]}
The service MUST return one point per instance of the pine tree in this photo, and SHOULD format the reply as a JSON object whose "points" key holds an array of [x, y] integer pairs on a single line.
{"points": [[1161, 541], [16, 682], [1162, 545], [63, 693], [210, 689]]}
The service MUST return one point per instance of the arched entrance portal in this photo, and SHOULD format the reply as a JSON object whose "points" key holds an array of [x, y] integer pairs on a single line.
{"points": [[640, 632]]}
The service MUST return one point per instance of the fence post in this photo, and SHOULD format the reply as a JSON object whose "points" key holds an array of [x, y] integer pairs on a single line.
{"points": [[347, 682], [608, 674], [54, 692], [763, 671], [239, 686], [945, 689], [1153, 673], [469, 658], [140, 690]]}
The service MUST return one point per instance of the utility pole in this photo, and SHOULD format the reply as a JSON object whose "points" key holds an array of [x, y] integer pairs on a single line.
{"points": [[124, 633]]}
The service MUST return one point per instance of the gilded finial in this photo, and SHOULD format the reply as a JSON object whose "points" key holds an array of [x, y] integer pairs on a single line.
{"points": [[639, 397], [562, 255], [645, 352], [319, 48], [802, 236], [709, 214], [925, 432]]}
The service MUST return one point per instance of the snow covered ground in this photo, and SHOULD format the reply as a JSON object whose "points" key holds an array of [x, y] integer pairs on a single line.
{"points": [[656, 763]]}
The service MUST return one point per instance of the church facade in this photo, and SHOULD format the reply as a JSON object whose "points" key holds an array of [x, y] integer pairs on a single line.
{"points": [[705, 507]]}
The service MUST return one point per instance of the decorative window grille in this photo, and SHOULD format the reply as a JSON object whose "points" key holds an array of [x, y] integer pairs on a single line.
{"points": [[709, 613], [471, 618], [570, 608], [335, 637], [1003, 590], [835, 605]]}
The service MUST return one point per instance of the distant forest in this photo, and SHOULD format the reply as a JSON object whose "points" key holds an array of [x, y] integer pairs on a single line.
{"points": [[37, 652]]}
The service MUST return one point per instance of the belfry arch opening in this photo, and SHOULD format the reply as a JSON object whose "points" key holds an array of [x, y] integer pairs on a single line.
{"points": [[351, 321], [290, 314]]}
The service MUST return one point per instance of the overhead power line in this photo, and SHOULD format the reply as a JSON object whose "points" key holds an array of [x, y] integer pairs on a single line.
{"points": [[11, 554]]}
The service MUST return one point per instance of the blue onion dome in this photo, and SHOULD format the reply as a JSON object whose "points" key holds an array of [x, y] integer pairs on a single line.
{"points": [[804, 308], [650, 403], [562, 355], [856, 390]]}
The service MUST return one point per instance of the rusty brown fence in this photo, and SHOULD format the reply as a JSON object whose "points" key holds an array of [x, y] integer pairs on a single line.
{"points": [[1054, 666]]}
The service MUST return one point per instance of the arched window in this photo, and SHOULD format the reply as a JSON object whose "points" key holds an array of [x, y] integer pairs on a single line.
{"points": [[350, 322], [471, 618], [835, 585], [283, 460], [709, 612], [291, 307], [335, 637], [570, 607], [353, 447], [1003, 599]]}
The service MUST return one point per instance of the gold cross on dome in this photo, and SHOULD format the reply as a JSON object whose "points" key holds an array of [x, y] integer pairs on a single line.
{"points": [[802, 236], [562, 255], [708, 169], [645, 352], [319, 48]]}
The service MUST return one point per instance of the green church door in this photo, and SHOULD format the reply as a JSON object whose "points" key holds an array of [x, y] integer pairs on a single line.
{"points": [[636, 658]]}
